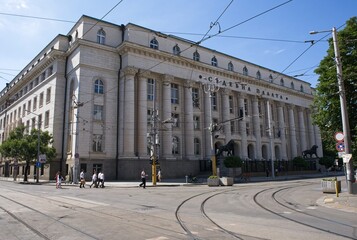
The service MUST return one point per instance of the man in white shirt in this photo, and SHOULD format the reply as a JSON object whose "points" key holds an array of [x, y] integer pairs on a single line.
{"points": [[83, 181]]}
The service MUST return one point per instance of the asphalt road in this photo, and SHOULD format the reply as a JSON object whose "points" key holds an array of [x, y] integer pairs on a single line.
{"points": [[266, 210]]}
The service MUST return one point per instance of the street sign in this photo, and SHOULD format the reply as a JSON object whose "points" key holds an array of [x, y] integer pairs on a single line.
{"points": [[38, 164], [347, 158], [340, 146], [42, 158], [339, 136]]}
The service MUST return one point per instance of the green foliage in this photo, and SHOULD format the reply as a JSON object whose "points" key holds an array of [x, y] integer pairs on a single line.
{"points": [[327, 110], [327, 161], [233, 162], [300, 162], [23, 146], [213, 177]]}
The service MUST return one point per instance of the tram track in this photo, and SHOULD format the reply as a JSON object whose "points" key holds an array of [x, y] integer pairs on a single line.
{"points": [[301, 214]]}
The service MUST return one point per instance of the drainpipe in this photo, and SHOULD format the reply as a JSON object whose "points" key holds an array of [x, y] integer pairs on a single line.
{"points": [[64, 118], [122, 27]]}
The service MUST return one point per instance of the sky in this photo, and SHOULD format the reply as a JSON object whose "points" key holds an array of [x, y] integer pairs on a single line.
{"points": [[269, 33]]}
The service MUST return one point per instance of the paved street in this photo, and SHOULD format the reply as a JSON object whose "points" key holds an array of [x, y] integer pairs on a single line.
{"points": [[257, 210]]}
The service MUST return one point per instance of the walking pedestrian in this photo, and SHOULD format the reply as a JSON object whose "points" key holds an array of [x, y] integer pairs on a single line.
{"points": [[59, 179], [83, 181], [159, 175], [267, 172], [143, 179], [101, 179], [94, 179]]}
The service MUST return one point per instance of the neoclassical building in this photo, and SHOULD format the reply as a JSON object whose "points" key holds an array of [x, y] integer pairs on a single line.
{"points": [[103, 90]]}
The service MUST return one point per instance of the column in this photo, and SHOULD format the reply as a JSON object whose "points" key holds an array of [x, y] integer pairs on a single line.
{"points": [[142, 125], [310, 126], [166, 114], [129, 111], [292, 131], [256, 127], [188, 116], [302, 131], [243, 128], [282, 131], [226, 115], [207, 121]]}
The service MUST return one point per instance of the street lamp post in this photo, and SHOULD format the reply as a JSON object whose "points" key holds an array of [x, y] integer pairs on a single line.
{"points": [[344, 113], [211, 87], [38, 152]]}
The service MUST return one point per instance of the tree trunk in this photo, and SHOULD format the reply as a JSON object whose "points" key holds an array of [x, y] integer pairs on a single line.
{"points": [[26, 170]]}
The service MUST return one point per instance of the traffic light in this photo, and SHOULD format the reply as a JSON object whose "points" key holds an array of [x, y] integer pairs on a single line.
{"points": [[156, 161], [150, 161]]}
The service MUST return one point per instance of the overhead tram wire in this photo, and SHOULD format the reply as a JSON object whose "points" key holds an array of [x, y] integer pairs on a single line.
{"points": [[220, 32], [312, 44], [247, 20]]}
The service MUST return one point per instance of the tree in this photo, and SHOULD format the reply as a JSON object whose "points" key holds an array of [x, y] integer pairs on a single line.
{"points": [[22, 146], [300, 163], [327, 111], [233, 162]]}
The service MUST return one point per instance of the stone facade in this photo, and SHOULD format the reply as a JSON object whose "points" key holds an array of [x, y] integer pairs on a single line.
{"points": [[103, 84]]}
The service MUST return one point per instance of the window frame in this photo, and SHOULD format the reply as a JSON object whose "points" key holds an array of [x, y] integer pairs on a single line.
{"points": [[154, 44], [98, 86], [101, 35]]}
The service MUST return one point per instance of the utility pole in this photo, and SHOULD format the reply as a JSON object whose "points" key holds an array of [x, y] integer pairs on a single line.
{"points": [[344, 112], [154, 138], [210, 88], [38, 151]]}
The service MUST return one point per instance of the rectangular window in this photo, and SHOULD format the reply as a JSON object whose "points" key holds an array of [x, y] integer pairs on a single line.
{"points": [[34, 103], [196, 122], [50, 71], [43, 76], [19, 112], [195, 98], [151, 85], [47, 119], [31, 85], [41, 100], [23, 109], [233, 127], [33, 123], [40, 121], [29, 107], [174, 93], [36, 81], [150, 117], [27, 130], [245, 107], [98, 112], [214, 101], [97, 143], [48, 95], [230, 104]]}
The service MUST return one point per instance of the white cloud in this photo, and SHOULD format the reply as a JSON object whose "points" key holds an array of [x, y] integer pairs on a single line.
{"points": [[274, 52], [15, 4]]}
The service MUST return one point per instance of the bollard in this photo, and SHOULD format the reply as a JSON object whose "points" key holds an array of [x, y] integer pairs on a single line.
{"points": [[336, 186], [186, 179]]}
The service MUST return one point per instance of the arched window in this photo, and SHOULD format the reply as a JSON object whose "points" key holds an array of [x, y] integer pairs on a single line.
{"points": [[301, 88], [230, 66], [98, 86], [154, 44], [282, 82], [176, 50], [175, 145], [270, 78], [214, 61], [292, 85], [101, 36], [258, 75], [196, 56], [197, 146], [245, 71]]}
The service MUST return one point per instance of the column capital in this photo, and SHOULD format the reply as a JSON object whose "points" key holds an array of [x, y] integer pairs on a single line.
{"points": [[131, 71], [167, 78], [144, 73]]}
